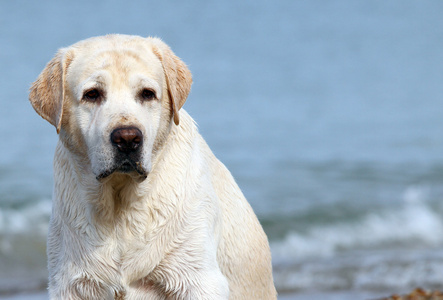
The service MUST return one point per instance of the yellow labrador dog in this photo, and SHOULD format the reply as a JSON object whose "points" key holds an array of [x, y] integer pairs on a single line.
{"points": [[142, 209]]}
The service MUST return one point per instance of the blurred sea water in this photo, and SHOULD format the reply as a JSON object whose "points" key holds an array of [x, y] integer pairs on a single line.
{"points": [[328, 114]]}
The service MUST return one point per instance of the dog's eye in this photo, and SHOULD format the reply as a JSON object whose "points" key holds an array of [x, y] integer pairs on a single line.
{"points": [[92, 95], [147, 95]]}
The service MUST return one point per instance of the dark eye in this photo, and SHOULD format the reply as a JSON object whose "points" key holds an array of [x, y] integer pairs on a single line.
{"points": [[92, 95], [148, 95]]}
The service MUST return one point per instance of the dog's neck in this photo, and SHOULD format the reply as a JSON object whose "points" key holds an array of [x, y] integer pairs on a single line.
{"points": [[114, 198], [112, 201], [94, 201]]}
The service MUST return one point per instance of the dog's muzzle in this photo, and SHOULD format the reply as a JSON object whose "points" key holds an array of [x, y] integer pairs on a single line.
{"points": [[127, 143]]}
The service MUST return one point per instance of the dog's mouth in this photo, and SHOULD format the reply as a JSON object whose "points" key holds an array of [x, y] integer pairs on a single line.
{"points": [[125, 166]]}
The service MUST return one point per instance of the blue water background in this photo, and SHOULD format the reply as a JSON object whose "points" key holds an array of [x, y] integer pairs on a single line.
{"points": [[329, 114]]}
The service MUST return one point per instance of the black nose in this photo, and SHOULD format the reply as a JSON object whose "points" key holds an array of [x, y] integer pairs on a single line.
{"points": [[127, 139]]}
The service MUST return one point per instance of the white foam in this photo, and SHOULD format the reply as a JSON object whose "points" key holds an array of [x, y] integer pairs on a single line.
{"points": [[373, 253], [377, 252], [414, 222], [31, 219], [390, 270]]}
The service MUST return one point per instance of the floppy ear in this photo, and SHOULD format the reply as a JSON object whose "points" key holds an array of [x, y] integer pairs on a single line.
{"points": [[178, 76], [47, 92]]}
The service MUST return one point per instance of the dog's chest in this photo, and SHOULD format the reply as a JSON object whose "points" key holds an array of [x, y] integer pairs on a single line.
{"points": [[132, 242]]}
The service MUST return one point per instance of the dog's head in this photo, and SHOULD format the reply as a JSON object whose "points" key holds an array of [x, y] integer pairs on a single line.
{"points": [[113, 100]]}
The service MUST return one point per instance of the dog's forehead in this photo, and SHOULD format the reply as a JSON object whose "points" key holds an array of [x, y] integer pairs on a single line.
{"points": [[121, 59]]}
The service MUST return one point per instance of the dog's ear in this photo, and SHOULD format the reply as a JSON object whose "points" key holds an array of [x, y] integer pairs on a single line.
{"points": [[178, 76], [47, 92]]}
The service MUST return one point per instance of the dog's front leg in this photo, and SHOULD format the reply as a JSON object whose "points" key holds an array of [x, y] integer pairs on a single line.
{"points": [[192, 274], [73, 270], [206, 285], [84, 288], [209, 285]]}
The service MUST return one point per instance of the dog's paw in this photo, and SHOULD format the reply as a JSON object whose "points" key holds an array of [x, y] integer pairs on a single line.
{"points": [[89, 289]]}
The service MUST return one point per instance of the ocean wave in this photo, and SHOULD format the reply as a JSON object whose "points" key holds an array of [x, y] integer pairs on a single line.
{"points": [[389, 270], [392, 249], [29, 223], [31, 218], [415, 223]]}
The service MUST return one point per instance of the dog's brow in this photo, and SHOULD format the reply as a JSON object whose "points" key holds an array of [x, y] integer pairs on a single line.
{"points": [[146, 82], [97, 80]]}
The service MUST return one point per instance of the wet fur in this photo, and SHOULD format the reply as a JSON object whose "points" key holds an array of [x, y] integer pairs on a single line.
{"points": [[184, 232]]}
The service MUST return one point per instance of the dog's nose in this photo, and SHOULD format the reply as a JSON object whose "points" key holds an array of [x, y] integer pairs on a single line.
{"points": [[127, 139]]}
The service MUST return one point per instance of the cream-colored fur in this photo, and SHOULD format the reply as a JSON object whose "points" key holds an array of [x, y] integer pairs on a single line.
{"points": [[176, 226]]}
